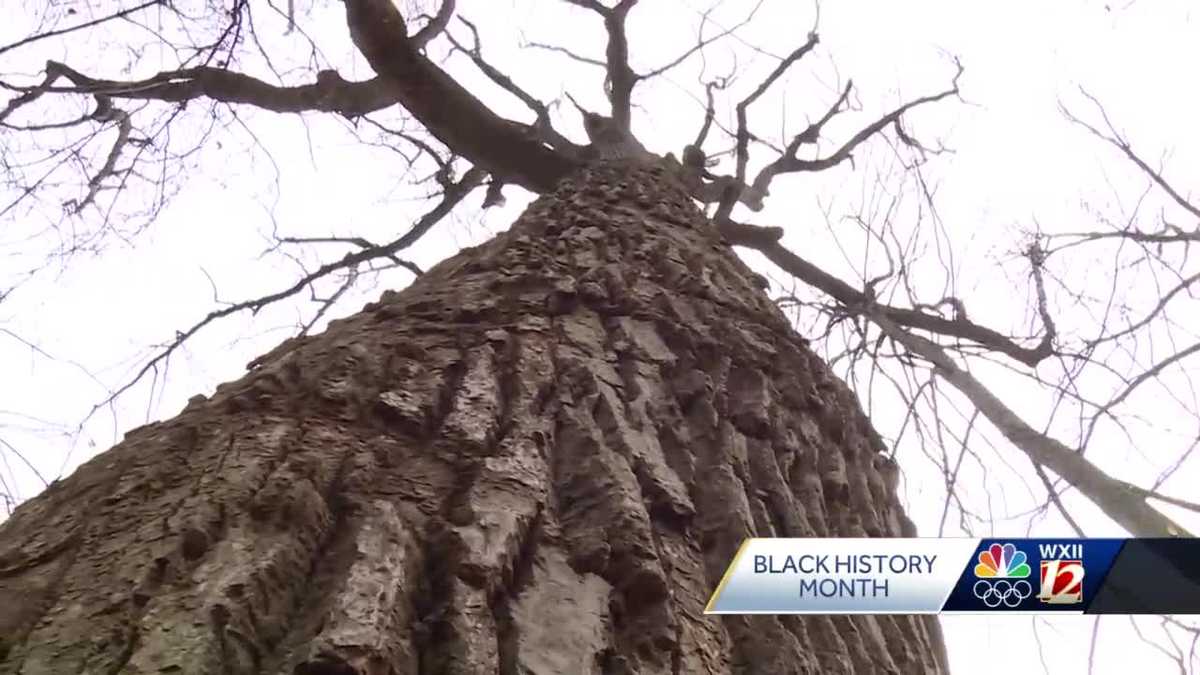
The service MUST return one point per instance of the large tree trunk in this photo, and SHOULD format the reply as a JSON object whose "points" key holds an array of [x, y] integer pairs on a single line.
{"points": [[537, 459]]}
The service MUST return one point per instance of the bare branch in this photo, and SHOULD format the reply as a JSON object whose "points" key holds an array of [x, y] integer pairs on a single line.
{"points": [[1168, 235], [701, 42], [742, 151], [1055, 498], [765, 241], [1138, 381], [330, 93], [789, 162], [543, 124], [709, 114], [444, 164], [1037, 259], [83, 26], [450, 199], [1117, 141], [104, 113], [1120, 500], [1156, 312], [567, 52], [593, 5], [361, 243], [436, 26], [107, 113], [449, 111], [1175, 501], [620, 75]]}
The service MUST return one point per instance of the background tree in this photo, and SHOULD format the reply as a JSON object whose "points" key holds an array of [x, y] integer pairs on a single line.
{"points": [[130, 121]]}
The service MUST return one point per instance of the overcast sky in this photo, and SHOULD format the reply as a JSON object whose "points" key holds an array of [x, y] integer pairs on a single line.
{"points": [[1016, 160]]}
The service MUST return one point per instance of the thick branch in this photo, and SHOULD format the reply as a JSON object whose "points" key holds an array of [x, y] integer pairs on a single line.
{"points": [[330, 93], [543, 125], [620, 75], [1169, 234], [1121, 501], [766, 241], [436, 26], [451, 113]]}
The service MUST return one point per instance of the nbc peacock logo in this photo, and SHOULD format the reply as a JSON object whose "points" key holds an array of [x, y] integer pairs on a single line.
{"points": [[1002, 572], [1002, 562]]}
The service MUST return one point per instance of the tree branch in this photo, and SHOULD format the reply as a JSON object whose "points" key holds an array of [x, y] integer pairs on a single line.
{"points": [[1121, 501], [330, 93], [789, 162], [1126, 149], [742, 150], [83, 26], [619, 77], [543, 125], [568, 53], [450, 199], [105, 113], [766, 241], [701, 42], [452, 114], [436, 26], [620, 74]]}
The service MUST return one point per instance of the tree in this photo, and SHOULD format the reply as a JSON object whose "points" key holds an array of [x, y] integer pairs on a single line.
{"points": [[537, 458], [594, 408]]}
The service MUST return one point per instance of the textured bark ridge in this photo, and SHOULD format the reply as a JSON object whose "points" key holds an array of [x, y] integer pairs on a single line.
{"points": [[537, 459]]}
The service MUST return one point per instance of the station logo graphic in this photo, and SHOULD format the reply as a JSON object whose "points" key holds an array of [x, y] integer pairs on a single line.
{"points": [[1002, 573], [1062, 574]]}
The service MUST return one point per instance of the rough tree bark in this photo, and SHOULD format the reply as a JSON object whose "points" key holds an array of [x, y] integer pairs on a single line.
{"points": [[539, 458]]}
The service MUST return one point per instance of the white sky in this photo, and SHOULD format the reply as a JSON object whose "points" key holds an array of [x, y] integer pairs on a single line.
{"points": [[1015, 159]]}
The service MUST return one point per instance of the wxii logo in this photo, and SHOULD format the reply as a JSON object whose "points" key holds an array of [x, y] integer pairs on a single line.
{"points": [[1062, 574]]}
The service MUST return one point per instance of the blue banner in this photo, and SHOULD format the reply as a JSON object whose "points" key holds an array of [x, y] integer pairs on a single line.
{"points": [[1033, 575], [928, 575]]}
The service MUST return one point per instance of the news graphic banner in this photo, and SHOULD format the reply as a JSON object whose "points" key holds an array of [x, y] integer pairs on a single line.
{"points": [[929, 576]]}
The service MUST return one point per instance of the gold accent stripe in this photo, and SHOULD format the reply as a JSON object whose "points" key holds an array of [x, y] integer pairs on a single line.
{"points": [[728, 572]]}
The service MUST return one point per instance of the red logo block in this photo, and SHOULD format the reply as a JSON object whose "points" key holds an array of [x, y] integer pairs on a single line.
{"points": [[1062, 582]]}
